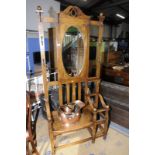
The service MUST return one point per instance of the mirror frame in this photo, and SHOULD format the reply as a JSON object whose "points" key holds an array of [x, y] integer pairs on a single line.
{"points": [[81, 22]]}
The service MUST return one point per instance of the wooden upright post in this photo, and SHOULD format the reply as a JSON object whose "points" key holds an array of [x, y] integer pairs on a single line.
{"points": [[45, 81], [99, 43], [43, 61]]}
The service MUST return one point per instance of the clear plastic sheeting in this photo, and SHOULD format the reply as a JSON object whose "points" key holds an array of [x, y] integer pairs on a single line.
{"points": [[35, 84]]}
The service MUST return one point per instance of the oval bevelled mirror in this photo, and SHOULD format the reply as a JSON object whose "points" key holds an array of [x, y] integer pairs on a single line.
{"points": [[73, 51]]}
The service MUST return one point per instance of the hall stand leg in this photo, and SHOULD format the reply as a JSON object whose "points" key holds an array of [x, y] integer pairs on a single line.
{"points": [[106, 125], [27, 149], [34, 148], [52, 138], [52, 143], [94, 127]]}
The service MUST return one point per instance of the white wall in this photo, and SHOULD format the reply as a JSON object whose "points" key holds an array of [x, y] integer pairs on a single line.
{"points": [[50, 8]]}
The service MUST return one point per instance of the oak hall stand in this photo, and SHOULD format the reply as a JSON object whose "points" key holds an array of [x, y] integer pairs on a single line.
{"points": [[73, 23]]}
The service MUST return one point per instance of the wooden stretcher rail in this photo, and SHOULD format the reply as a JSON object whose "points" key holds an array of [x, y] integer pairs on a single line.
{"points": [[72, 81], [74, 143], [56, 83], [100, 121], [53, 83], [93, 22], [94, 94], [93, 79], [101, 110], [100, 134], [72, 130]]}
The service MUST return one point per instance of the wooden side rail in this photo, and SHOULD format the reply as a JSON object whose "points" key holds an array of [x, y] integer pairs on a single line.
{"points": [[93, 108], [103, 103]]}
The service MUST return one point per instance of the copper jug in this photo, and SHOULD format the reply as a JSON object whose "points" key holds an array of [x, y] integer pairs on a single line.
{"points": [[70, 113]]}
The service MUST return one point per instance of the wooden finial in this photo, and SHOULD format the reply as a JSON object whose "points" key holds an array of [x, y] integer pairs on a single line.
{"points": [[39, 10], [101, 17], [101, 14]]}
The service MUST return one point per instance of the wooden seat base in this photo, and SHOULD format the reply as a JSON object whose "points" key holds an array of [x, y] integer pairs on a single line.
{"points": [[84, 122]]}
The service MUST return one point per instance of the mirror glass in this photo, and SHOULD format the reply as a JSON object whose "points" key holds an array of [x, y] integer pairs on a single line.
{"points": [[73, 51]]}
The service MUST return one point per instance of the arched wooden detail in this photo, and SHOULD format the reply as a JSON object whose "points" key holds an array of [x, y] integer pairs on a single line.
{"points": [[74, 11]]}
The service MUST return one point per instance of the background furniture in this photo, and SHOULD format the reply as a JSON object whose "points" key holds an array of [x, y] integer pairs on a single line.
{"points": [[113, 57], [30, 127], [118, 98], [115, 76]]}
